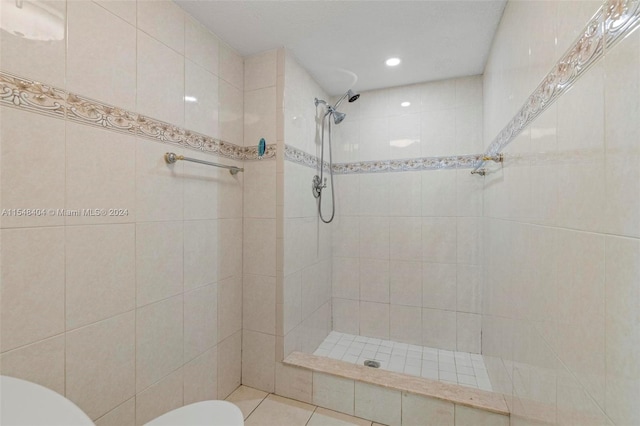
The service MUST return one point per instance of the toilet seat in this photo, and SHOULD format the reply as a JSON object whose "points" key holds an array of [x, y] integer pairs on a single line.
{"points": [[205, 413], [23, 403]]}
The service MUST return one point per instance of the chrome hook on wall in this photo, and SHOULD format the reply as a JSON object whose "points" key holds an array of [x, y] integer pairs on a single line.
{"points": [[481, 171]]}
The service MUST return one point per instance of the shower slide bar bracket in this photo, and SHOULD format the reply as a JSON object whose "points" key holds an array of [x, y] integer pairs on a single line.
{"points": [[481, 171], [171, 158]]}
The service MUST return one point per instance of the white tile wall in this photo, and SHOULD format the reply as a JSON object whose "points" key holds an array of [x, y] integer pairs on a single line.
{"points": [[100, 172], [153, 178], [99, 256], [47, 60], [159, 261], [377, 403], [554, 271], [260, 115], [201, 46], [415, 409], [200, 378], [163, 396], [166, 104], [299, 110], [100, 364], [164, 21], [145, 331], [46, 182], [124, 413], [29, 288], [260, 248], [444, 118], [467, 416], [159, 340], [427, 258], [41, 362], [200, 321], [201, 100], [306, 263], [258, 360], [333, 392], [89, 25]]}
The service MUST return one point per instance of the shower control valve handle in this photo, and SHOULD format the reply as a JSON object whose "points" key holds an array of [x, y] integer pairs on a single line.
{"points": [[317, 186]]}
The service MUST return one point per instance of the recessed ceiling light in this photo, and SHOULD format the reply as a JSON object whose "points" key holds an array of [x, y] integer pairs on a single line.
{"points": [[392, 62], [190, 99], [405, 104]]}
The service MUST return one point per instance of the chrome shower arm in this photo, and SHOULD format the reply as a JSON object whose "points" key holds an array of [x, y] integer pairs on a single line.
{"points": [[351, 95], [340, 100]]}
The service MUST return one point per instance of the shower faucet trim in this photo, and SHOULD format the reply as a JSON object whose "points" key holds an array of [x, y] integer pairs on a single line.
{"points": [[319, 181]]}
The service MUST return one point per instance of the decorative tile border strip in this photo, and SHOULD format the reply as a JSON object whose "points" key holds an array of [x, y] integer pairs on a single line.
{"points": [[87, 111], [296, 155], [408, 165], [384, 166], [32, 96], [612, 22], [28, 95]]}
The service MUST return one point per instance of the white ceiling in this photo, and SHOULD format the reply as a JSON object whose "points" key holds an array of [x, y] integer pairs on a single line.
{"points": [[333, 39]]}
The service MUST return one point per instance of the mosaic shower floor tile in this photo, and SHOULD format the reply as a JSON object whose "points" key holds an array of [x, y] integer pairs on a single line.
{"points": [[460, 368]]}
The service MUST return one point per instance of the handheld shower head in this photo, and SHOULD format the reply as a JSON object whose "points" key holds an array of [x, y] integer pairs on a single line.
{"points": [[338, 116]]}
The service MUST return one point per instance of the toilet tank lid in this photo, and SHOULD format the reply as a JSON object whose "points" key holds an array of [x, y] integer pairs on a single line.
{"points": [[205, 413]]}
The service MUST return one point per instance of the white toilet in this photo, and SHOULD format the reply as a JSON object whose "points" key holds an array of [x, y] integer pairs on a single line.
{"points": [[29, 404], [218, 413]]}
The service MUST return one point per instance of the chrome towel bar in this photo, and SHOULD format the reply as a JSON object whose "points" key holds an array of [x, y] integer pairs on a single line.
{"points": [[171, 158]]}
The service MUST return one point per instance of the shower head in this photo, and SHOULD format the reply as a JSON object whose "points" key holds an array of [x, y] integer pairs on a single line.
{"points": [[332, 110], [338, 116], [352, 96]]}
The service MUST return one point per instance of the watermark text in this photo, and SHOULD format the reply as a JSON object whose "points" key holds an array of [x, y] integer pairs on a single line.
{"points": [[38, 212]]}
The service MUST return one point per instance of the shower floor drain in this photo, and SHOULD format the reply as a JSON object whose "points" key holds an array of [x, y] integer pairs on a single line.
{"points": [[372, 364]]}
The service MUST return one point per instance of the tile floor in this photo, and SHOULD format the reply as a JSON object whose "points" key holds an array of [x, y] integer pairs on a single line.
{"points": [[263, 409], [460, 368]]}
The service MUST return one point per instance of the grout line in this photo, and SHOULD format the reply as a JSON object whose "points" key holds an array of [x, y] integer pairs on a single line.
{"points": [[64, 222], [116, 407], [64, 265], [181, 367], [134, 25], [182, 185], [259, 404], [312, 413]]}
